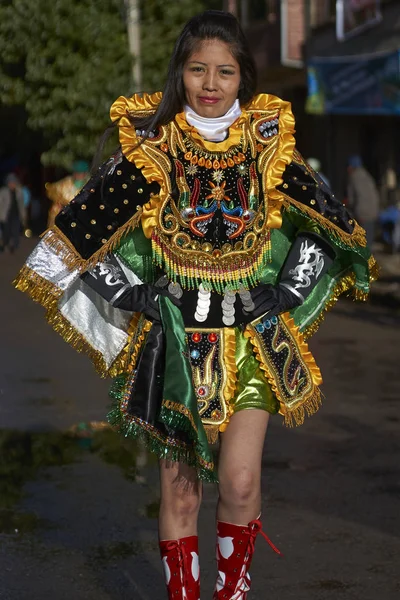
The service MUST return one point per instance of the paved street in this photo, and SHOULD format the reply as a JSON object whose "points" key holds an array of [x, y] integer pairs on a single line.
{"points": [[78, 514]]}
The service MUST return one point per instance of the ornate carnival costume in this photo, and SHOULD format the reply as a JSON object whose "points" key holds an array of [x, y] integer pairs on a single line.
{"points": [[208, 222]]}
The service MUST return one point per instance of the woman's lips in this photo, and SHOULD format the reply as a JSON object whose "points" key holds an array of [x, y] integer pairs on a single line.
{"points": [[207, 100]]}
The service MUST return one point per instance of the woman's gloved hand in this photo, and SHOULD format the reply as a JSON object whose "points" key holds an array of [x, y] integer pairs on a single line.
{"points": [[109, 281], [307, 262], [271, 299]]}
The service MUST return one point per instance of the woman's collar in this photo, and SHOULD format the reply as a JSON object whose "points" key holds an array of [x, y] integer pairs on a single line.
{"points": [[233, 127]]}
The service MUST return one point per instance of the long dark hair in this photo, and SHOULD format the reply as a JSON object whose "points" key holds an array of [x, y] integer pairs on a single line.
{"points": [[209, 25]]}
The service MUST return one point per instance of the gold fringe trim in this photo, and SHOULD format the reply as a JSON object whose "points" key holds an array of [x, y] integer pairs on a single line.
{"points": [[356, 238], [37, 288], [48, 295], [63, 247], [297, 416], [55, 239], [212, 433], [345, 284], [292, 415]]}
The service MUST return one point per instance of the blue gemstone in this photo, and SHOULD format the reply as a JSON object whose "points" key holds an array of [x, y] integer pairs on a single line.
{"points": [[260, 328], [195, 354], [274, 320], [267, 324]]}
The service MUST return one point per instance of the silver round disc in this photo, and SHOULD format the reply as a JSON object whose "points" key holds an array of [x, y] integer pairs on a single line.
{"points": [[200, 318], [226, 306], [228, 320], [230, 299], [202, 311], [203, 303]]}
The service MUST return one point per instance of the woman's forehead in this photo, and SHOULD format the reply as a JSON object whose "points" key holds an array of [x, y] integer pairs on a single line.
{"points": [[212, 51]]}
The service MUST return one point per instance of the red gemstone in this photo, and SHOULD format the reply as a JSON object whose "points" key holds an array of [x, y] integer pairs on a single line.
{"points": [[196, 337], [201, 391], [212, 337]]}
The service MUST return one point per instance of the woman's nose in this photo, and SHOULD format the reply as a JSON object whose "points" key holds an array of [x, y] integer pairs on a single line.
{"points": [[210, 81]]}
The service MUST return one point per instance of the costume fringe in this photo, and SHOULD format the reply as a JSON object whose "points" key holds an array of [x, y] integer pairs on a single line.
{"points": [[47, 294], [348, 282], [212, 432], [37, 288], [62, 246], [350, 240], [170, 413], [296, 415], [163, 446]]}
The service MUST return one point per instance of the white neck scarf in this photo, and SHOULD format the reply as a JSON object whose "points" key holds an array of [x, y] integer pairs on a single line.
{"points": [[214, 130]]}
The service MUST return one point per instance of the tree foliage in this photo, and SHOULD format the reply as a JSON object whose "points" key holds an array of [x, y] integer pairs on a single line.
{"points": [[66, 61]]}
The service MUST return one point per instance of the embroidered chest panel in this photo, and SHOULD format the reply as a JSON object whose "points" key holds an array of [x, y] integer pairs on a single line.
{"points": [[212, 227]]}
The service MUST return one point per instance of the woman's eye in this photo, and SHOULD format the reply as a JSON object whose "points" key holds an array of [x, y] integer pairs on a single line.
{"points": [[226, 72], [196, 69]]}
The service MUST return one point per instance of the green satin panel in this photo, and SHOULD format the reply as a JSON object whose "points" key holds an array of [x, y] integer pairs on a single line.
{"points": [[135, 253], [178, 383], [252, 388]]}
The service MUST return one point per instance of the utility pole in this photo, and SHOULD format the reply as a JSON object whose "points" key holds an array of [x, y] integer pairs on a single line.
{"points": [[244, 13], [231, 6], [133, 26]]}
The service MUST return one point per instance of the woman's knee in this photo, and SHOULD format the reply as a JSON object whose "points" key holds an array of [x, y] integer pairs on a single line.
{"points": [[180, 494], [239, 487]]}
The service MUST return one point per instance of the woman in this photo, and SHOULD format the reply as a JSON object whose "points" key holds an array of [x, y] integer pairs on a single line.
{"points": [[210, 228]]}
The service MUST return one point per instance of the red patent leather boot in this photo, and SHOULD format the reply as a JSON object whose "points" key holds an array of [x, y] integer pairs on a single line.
{"points": [[180, 560], [235, 549]]}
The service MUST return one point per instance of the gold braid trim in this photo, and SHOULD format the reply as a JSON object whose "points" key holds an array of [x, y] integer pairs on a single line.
{"points": [[122, 112], [309, 406], [356, 238], [132, 352], [180, 409], [229, 367], [47, 294], [344, 284]]}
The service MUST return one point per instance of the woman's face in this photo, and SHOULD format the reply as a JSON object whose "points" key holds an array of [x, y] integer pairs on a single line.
{"points": [[211, 78]]}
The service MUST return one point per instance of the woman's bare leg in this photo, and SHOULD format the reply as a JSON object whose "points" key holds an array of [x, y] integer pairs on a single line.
{"points": [[181, 493], [239, 468]]}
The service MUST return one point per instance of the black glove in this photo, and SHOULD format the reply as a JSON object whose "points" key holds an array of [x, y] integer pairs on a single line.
{"points": [[307, 262], [110, 282]]}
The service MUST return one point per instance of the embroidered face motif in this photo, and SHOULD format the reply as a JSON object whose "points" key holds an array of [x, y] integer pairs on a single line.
{"points": [[211, 78]]}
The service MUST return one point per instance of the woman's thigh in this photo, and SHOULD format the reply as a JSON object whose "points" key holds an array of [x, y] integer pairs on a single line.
{"points": [[242, 444]]}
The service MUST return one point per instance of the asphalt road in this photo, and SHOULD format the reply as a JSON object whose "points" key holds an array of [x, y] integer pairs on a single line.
{"points": [[78, 514]]}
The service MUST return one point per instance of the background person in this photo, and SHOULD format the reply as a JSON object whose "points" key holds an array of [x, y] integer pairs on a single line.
{"points": [[12, 212], [362, 196]]}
